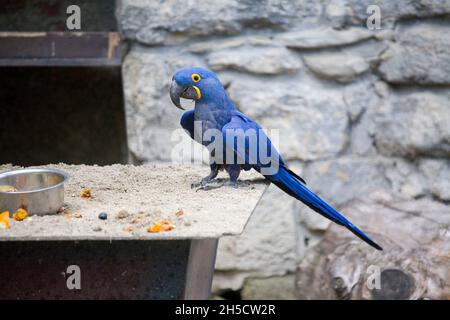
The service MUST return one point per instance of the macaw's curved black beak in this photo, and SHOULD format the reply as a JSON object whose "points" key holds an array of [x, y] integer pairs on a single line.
{"points": [[186, 92]]}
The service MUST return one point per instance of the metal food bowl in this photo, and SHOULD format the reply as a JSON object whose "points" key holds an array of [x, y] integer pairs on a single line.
{"points": [[39, 191]]}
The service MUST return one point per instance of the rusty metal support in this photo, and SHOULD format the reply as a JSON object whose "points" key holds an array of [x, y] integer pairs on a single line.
{"points": [[200, 269]]}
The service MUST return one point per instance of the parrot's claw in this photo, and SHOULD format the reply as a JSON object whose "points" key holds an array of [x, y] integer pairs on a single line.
{"points": [[216, 185], [236, 184], [210, 185], [202, 183], [195, 185]]}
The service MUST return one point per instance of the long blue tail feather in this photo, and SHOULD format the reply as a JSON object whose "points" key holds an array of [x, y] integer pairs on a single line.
{"points": [[291, 185]]}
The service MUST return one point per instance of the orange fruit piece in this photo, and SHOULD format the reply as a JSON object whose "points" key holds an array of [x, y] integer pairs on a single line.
{"points": [[4, 220], [168, 227], [157, 227], [20, 214], [127, 229], [86, 193], [179, 212], [163, 225]]}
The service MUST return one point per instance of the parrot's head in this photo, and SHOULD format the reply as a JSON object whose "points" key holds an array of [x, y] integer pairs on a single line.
{"points": [[194, 83]]}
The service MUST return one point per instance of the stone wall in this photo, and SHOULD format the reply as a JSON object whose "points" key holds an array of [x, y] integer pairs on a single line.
{"points": [[358, 109]]}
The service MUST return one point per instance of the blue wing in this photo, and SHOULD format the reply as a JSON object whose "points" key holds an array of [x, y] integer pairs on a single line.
{"points": [[187, 122], [252, 135]]}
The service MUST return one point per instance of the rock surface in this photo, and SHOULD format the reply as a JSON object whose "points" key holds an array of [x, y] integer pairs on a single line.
{"points": [[438, 177], [337, 66], [323, 37], [212, 17], [421, 126], [340, 180], [421, 55], [261, 60], [278, 288], [392, 11], [415, 237]]}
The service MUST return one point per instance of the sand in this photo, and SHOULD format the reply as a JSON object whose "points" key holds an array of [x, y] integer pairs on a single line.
{"points": [[136, 197]]}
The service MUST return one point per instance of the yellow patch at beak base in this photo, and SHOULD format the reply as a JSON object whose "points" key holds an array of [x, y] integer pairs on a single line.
{"points": [[199, 94]]}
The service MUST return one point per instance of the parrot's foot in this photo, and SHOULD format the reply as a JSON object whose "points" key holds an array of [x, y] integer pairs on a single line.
{"points": [[213, 184], [236, 184], [216, 184], [202, 183]]}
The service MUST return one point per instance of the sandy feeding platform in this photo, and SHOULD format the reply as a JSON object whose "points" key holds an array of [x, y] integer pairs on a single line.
{"points": [[137, 197]]}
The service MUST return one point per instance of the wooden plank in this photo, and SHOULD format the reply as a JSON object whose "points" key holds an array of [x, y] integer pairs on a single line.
{"points": [[60, 48], [90, 62]]}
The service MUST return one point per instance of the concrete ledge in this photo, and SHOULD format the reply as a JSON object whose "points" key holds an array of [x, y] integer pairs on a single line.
{"points": [[148, 194]]}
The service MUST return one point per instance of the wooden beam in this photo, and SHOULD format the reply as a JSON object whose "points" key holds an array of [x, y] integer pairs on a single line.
{"points": [[60, 48]]}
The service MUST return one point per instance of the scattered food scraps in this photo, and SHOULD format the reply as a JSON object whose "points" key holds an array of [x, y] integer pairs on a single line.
{"points": [[163, 225], [103, 216], [7, 188], [86, 193], [157, 227], [4, 220], [168, 227], [67, 214], [127, 229], [20, 214], [122, 214], [164, 221], [179, 212], [167, 224], [136, 220]]}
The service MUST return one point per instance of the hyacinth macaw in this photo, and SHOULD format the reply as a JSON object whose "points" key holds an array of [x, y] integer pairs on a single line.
{"points": [[214, 110]]}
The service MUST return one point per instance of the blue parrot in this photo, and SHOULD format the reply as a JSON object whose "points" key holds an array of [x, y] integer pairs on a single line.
{"points": [[214, 110]]}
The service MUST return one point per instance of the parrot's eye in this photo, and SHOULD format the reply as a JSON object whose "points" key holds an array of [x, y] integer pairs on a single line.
{"points": [[195, 77]]}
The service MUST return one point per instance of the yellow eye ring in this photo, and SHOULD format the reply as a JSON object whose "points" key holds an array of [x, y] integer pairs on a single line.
{"points": [[196, 77]]}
